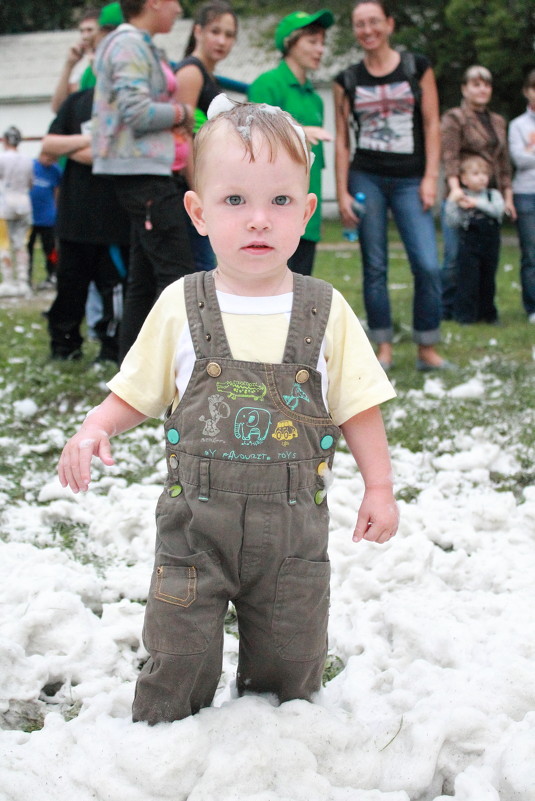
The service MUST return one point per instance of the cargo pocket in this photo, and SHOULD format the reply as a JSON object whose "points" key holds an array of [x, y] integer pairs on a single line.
{"points": [[183, 603], [301, 611]]}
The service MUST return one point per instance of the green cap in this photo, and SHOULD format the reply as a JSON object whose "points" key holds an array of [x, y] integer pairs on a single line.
{"points": [[111, 15], [300, 19]]}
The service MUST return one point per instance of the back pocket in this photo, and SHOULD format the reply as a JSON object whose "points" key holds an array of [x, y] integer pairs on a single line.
{"points": [[301, 612]]}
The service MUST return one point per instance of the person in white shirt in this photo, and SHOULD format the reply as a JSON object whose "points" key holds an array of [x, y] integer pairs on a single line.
{"points": [[16, 178], [522, 152]]}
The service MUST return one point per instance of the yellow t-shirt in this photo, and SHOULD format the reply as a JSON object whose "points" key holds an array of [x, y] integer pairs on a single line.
{"points": [[156, 370]]}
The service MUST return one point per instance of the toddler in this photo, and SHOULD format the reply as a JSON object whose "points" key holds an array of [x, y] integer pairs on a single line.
{"points": [[477, 211], [260, 370]]}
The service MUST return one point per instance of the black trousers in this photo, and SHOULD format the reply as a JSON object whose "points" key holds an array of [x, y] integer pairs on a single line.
{"points": [[79, 264], [160, 250], [48, 242], [302, 260], [477, 264]]}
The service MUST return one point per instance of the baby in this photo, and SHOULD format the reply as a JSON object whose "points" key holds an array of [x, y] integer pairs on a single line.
{"points": [[261, 370]]}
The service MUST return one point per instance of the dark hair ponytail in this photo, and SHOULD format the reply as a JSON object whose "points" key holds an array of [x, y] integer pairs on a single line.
{"points": [[207, 13]]}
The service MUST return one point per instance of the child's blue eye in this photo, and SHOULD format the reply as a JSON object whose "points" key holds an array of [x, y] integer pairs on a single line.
{"points": [[281, 200], [234, 200]]}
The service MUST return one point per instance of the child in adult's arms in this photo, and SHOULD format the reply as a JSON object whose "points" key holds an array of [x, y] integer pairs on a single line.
{"points": [[262, 369]]}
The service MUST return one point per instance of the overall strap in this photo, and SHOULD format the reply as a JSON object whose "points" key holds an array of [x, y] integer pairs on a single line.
{"points": [[204, 316], [310, 313]]}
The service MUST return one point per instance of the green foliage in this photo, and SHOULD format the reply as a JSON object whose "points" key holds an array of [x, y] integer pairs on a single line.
{"points": [[499, 34], [30, 15]]}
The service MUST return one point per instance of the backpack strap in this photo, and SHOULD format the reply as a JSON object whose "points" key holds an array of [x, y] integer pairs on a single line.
{"points": [[408, 65]]}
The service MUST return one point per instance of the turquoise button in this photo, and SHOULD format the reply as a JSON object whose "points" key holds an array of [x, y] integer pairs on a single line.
{"points": [[174, 437], [175, 491], [326, 442]]}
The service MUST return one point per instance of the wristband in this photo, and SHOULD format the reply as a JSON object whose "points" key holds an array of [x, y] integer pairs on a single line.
{"points": [[180, 114]]}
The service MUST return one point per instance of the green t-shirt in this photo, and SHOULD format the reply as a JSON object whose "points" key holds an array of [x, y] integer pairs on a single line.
{"points": [[280, 87]]}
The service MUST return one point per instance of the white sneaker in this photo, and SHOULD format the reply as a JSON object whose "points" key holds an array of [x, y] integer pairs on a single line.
{"points": [[531, 318], [9, 289], [25, 290]]}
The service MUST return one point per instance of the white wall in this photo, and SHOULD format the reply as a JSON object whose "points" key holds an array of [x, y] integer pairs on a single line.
{"points": [[33, 119]]}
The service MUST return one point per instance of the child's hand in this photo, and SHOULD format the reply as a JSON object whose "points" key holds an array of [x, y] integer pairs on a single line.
{"points": [[378, 516], [74, 468], [455, 195], [466, 202]]}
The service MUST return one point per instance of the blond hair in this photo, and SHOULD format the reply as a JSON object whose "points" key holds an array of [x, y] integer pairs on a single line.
{"points": [[249, 121], [477, 73], [473, 161]]}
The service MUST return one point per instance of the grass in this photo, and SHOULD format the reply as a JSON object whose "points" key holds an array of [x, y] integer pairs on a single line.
{"points": [[504, 354], [64, 392], [424, 418]]}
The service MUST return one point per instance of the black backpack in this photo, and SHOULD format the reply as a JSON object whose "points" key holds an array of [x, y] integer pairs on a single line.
{"points": [[408, 65]]}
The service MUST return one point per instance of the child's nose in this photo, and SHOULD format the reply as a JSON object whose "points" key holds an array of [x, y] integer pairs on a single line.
{"points": [[258, 220]]}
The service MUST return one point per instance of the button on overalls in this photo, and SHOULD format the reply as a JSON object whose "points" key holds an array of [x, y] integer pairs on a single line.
{"points": [[242, 517]]}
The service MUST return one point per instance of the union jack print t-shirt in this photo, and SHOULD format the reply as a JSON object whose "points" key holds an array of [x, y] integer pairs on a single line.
{"points": [[389, 129]]}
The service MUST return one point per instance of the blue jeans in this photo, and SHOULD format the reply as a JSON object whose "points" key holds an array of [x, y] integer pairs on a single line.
{"points": [[525, 208], [417, 232], [449, 273]]}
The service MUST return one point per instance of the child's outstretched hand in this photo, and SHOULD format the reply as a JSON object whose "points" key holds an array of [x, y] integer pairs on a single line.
{"points": [[112, 417], [74, 468], [378, 516]]}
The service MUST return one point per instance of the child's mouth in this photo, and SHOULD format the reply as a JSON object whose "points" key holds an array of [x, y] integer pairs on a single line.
{"points": [[258, 247]]}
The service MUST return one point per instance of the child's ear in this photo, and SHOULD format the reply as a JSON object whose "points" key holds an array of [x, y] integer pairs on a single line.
{"points": [[310, 207], [194, 207]]}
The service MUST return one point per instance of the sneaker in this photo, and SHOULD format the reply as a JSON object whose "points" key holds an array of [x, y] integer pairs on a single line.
{"points": [[48, 283], [13, 289], [531, 317], [73, 356], [425, 367]]}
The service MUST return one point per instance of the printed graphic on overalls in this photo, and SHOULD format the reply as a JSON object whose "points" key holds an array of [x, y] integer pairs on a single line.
{"points": [[298, 393], [285, 431], [218, 409], [252, 425], [242, 389]]}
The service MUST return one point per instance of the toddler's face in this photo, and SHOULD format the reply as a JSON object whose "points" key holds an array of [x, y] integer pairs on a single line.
{"points": [[529, 94], [475, 177], [253, 211]]}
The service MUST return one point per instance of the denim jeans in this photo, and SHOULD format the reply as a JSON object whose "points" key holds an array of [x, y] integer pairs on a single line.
{"points": [[448, 272], [525, 208], [417, 232]]}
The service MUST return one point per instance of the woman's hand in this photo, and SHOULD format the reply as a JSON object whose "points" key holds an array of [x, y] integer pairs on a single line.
{"points": [[315, 134], [509, 206], [349, 220], [428, 192]]}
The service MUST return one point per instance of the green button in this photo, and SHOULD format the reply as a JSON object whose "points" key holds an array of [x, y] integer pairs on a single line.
{"points": [[326, 442], [319, 497], [173, 436], [175, 490]]}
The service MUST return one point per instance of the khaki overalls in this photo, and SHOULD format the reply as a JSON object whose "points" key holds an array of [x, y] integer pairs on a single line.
{"points": [[242, 517]]}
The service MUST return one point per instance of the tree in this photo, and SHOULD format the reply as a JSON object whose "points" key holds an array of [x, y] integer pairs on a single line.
{"points": [[35, 15], [500, 34]]}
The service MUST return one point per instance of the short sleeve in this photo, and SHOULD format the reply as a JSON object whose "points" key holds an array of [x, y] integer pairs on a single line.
{"points": [[147, 376], [356, 379]]}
